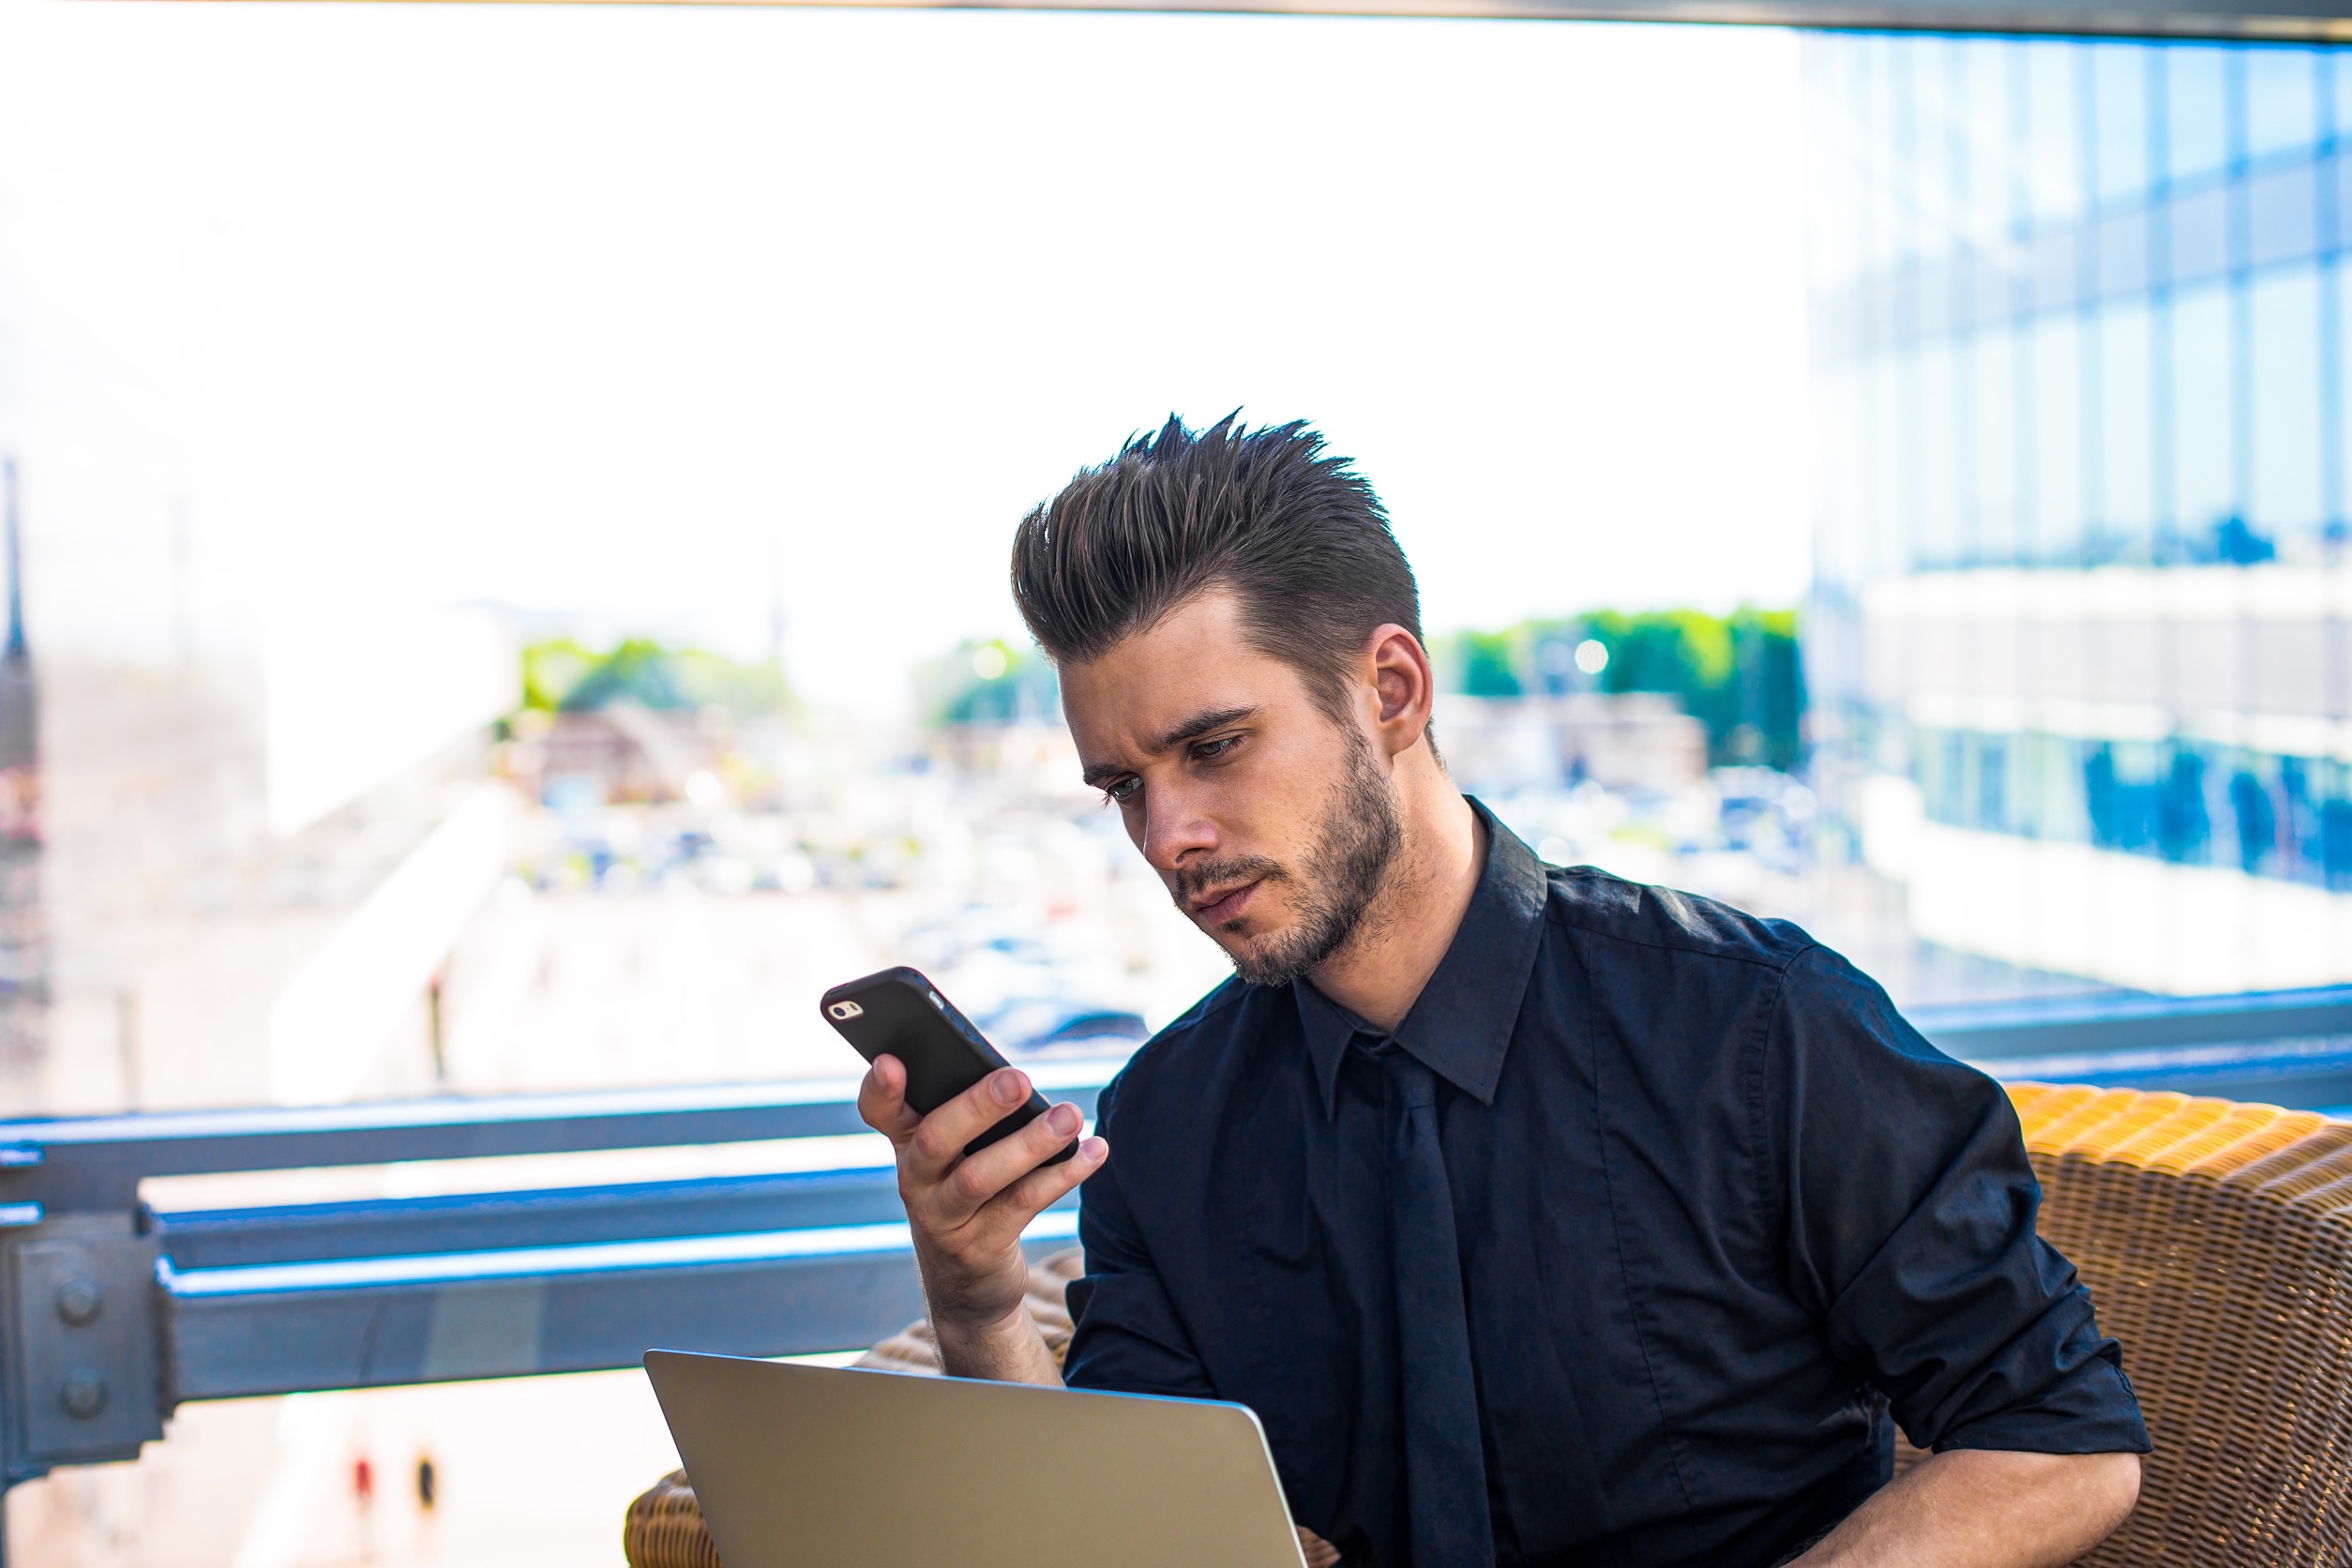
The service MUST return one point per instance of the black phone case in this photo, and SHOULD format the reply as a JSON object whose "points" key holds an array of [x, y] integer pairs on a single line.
{"points": [[901, 1014]]}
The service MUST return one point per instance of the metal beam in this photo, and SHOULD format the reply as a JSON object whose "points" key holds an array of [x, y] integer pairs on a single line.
{"points": [[2241, 21], [2072, 1025], [97, 1162], [369, 1323], [562, 1216]]}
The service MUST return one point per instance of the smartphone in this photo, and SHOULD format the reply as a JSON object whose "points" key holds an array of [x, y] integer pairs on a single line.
{"points": [[899, 1012]]}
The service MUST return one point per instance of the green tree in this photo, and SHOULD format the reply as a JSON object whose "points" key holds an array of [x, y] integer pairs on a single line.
{"points": [[1488, 669], [1739, 674], [988, 682], [560, 674]]}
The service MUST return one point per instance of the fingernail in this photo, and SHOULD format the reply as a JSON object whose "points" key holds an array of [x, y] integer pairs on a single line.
{"points": [[1008, 1088], [1064, 1119], [1094, 1151]]}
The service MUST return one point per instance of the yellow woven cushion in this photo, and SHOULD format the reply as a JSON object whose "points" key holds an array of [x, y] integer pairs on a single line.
{"points": [[664, 1527]]}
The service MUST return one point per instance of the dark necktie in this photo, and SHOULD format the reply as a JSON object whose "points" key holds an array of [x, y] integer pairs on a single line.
{"points": [[1445, 1466]]}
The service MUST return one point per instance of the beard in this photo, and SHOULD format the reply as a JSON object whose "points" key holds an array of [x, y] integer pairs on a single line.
{"points": [[1333, 888]]}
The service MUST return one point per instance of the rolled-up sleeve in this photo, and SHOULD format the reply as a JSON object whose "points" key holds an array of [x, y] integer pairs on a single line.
{"points": [[1129, 1337], [1910, 1228]]}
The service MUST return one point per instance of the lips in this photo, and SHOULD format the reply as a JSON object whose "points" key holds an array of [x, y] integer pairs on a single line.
{"points": [[1224, 906]]}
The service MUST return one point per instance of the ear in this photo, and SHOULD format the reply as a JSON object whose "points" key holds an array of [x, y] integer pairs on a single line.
{"points": [[1403, 689]]}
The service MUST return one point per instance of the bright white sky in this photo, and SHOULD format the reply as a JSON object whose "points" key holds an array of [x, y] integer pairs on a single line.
{"points": [[621, 311]]}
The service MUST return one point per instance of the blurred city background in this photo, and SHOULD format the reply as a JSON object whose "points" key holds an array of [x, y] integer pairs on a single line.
{"points": [[507, 508]]}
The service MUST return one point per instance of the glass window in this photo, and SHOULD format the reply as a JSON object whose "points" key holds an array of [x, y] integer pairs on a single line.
{"points": [[2126, 445], [1992, 783], [1987, 282], [2298, 808], [2204, 487], [1992, 488], [1836, 460], [1985, 107], [2336, 170], [2335, 827], [2029, 772], [1890, 517], [2116, 789], [2054, 167], [1859, 152], [1932, 179], [2283, 213], [2056, 257], [2058, 438], [1936, 416], [1943, 773], [1899, 116], [2183, 826], [2339, 277], [2285, 429], [2282, 99], [2196, 117], [2122, 252], [2053, 783], [1873, 131], [2120, 120], [2198, 233]]}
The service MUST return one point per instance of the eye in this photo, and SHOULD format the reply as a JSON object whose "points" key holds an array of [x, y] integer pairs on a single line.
{"points": [[1121, 790], [1207, 750]]}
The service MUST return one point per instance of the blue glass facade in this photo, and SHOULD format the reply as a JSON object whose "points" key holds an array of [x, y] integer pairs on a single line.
{"points": [[2086, 300], [2176, 799], [2082, 334]]}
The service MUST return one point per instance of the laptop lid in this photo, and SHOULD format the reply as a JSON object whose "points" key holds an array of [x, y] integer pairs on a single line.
{"points": [[812, 1467]]}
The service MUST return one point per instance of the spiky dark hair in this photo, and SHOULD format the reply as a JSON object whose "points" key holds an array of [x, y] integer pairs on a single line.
{"points": [[1298, 535]]}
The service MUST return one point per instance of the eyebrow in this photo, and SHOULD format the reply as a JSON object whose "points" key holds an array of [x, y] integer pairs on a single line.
{"points": [[1187, 730]]}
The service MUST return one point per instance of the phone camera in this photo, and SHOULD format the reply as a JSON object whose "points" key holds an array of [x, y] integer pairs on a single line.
{"points": [[845, 1011]]}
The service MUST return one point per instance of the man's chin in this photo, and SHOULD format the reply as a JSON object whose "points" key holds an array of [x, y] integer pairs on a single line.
{"points": [[1261, 958], [1240, 938]]}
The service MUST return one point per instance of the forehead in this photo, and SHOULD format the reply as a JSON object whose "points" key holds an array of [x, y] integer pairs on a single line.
{"points": [[1195, 660]]}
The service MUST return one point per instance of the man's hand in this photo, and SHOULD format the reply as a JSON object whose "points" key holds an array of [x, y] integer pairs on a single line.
{"points": [[966, 1212], [1980, 1508]]}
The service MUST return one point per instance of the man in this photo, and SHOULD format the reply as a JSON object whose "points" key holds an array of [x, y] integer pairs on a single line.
{"points": [[1543, 1218]]}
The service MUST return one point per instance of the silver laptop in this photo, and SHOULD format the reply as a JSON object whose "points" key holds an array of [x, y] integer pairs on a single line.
{"points": [[812, 1467]]}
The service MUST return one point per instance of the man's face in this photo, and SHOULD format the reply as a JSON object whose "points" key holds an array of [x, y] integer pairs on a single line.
{"points": [[1271, 823]]}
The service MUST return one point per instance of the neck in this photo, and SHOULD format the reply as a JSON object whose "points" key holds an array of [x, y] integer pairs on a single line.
{"points": [[1380, 972]]}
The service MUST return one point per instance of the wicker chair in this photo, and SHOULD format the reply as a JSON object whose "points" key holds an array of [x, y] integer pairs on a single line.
{"points": [[2217, 1240]]}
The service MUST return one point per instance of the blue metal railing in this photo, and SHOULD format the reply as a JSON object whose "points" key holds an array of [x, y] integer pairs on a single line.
{"points": [[112, 1313], [2286, 1048]]}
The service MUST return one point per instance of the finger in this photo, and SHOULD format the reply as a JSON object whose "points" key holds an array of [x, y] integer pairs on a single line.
{"points": [[982, 1177], [939, 1143], [1000, 1222], [882, 1100], [1048, 1184], [978, 1179]]}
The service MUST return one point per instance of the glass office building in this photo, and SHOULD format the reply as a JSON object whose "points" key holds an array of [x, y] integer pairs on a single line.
{"points": [[2081, 646]]}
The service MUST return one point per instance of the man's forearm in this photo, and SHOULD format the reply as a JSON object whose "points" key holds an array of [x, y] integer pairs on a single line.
{"points": [[1009, 1350], [1980, 1508]]}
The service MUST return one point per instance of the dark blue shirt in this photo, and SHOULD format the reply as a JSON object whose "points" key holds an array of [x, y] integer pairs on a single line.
{"points": [[1720, 1211]]}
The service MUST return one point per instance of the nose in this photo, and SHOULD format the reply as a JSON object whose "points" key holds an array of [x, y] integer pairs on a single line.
{"points": [[1174, 831]]}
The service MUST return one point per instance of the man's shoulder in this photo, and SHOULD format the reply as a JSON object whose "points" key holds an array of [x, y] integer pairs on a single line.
{"points": [[1197, 1045], [1640, 920]]}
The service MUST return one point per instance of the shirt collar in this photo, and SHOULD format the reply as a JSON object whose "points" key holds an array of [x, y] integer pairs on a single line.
{"points": [[1460, 1025]]}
